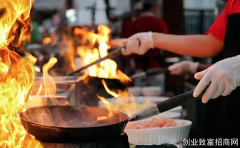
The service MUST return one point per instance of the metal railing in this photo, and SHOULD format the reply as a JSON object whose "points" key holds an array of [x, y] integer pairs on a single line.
{"points": [[198, 21]]}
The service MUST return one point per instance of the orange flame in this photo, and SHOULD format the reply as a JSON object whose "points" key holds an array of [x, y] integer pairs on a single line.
{"points": [[109, 106], [40, 89], [91, 53], [17, 74], [48, 81], [47, 41], [125, 101], [37, 69]]}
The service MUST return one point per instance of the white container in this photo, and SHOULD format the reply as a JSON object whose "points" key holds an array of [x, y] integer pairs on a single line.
{"points": [[157, 136], [136, 91], [151, 91]]}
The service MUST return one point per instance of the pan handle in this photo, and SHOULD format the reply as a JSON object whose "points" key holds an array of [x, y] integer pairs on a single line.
{"points": [[179, 100]]}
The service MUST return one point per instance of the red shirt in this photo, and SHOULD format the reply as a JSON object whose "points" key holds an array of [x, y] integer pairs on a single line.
{"points": [[218, 28], [146, 24], [126, 28]]}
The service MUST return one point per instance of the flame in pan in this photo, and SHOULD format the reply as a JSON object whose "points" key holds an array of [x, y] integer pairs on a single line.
{"points": [[124, 101]]}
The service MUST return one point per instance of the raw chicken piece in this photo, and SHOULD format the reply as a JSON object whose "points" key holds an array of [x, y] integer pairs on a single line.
{"points": [[183, 123], [154, 122]]}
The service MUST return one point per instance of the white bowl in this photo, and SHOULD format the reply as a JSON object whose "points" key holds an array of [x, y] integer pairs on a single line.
{"points": [[136, 91], [151, 91], [157, 136]]}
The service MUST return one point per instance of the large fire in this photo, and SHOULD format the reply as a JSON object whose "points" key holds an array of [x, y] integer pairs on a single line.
{"points": [[17, 73], [95, 46]]}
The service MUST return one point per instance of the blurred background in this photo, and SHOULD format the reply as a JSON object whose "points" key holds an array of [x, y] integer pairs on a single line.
{"points": [[55, 20]]}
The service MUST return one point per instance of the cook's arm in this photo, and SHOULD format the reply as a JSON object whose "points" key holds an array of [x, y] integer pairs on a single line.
{"points": [[192, 45]]}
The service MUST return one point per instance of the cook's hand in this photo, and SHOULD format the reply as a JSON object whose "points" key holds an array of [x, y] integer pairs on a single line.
{"points": [[183, 67], [224, 77], [138, 44]]}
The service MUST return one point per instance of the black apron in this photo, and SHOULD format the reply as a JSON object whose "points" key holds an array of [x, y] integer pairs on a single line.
{"points": [[225, 122]]}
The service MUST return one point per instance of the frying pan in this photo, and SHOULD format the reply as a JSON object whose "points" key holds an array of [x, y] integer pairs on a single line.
{"points": [[65, 123]]}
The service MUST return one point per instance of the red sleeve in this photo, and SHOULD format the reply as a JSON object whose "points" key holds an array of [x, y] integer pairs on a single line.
{"points": [[206, 33], [218, 28], [163, 27], [126, 27]]}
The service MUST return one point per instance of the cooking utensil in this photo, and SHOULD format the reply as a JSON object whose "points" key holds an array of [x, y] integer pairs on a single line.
{"points": [[111, 55], [166, 105], [71, 123], [151, 72]]}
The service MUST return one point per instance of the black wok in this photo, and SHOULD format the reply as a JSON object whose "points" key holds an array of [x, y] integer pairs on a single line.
{"points": [[65, 123]]}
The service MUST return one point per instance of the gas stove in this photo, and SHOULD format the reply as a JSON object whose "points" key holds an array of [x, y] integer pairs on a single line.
{"points": [[113, 142]]}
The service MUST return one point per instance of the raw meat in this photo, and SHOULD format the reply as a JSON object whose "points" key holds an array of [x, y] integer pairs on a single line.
{"points": [[154, 122]]}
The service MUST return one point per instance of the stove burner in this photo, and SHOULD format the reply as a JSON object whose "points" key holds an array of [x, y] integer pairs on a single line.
{"points": [[114, 142]]}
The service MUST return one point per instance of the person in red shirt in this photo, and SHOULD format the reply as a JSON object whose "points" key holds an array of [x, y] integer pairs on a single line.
{"points": [[148, 21], [126, 25], [127, 63], [224, 35]]}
